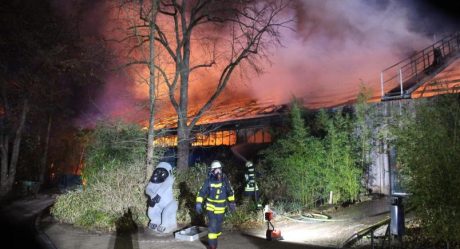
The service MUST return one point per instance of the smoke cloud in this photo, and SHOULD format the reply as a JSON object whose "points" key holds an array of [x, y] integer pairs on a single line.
{"points": [[338, 45], [333, 47]]}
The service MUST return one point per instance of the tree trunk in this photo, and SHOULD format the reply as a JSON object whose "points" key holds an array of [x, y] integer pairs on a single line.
{"points": [[183, 130], [4, 142], [151, 129], [8, 179], [4, 162], [183, 149], [43, 167]]}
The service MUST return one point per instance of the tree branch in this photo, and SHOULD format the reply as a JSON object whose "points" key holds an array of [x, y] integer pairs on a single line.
{"points": [[164, 41], [210, 64]]}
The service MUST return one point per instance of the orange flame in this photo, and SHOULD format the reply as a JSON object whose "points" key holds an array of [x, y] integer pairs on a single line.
{"points": [[221, 138]]}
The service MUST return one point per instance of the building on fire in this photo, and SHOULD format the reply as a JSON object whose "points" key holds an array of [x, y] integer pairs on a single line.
{"points": [[432, 71]]}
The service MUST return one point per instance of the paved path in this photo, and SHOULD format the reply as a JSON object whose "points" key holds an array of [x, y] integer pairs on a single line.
{"points": [[295, 234], [64, 236], [18, 221]]}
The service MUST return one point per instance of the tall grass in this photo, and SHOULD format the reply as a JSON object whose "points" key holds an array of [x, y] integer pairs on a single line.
{"points": [[114, 175]]}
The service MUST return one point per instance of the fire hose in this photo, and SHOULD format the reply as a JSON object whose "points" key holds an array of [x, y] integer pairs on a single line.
{"points": [[311, 217]]}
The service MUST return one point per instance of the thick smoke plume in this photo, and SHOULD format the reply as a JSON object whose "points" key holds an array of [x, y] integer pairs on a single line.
{"points": [[338, 45], [333, 47]]}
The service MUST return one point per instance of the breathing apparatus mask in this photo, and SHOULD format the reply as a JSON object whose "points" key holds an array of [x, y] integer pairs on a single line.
{"points": [[216, 170]]}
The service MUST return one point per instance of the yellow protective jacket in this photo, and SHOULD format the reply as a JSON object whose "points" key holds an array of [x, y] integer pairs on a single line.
{"points": [[216, 194]]}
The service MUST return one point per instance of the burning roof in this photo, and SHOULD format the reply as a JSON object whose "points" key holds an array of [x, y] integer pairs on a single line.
{"points": [[446, 81], [230, 111]]}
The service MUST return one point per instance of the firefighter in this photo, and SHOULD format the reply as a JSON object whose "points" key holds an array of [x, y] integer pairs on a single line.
{"points": [[216, 193], [251, 189]]}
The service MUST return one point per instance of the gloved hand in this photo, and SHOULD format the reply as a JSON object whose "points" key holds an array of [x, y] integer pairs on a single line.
{"points": [[156, 199], [151, 203], [232, 207], [198, 208]]}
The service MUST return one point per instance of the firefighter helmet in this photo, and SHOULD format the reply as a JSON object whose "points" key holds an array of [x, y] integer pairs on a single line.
{"points": [[248, 164], [216, 165]]}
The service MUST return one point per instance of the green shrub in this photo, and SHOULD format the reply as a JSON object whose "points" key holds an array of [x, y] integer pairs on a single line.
{"points": [[428, 145], [245, 216], [292, 164], [113, 143], [95, 219], [342, 171], [111, 195], [114, 174], [287, 207], [186, 187], [365, 122], [300, 167]]}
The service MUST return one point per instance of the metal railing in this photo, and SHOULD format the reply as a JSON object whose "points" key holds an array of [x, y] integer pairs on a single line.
{"points": [[368, 231], [396, 79]]}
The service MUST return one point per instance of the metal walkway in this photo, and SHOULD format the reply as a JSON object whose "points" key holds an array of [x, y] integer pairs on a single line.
{"points": [[400, 80]]}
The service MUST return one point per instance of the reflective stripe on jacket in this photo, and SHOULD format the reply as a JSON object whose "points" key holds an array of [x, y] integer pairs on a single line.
{"points": [[216, 194], [250, 180]]}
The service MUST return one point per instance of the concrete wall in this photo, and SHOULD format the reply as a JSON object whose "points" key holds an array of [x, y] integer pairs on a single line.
{"points": [[378, 179], [381, 114]]}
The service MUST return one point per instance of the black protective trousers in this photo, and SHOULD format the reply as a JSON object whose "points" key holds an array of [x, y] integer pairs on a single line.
{"points": [[214, 228]]}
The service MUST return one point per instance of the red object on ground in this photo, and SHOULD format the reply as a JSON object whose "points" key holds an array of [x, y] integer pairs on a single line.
{"points": [[268, 215], [276, 234]]}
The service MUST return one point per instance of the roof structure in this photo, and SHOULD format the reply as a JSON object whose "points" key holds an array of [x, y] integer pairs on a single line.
{"points": [[233, 111], [431, 71]]}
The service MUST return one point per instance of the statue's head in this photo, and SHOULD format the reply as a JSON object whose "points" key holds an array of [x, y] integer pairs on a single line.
{"points": [[161, 172]]}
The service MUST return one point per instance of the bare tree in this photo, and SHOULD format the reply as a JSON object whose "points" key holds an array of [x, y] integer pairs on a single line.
{"points": [[150, 18], [141, 16], [225, 34], [10, 141]]}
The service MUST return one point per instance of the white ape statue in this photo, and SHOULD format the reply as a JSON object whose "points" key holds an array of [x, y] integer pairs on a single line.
{"points": [[162, 205]]}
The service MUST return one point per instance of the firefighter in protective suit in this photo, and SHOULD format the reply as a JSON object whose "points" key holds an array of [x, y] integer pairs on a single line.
{"points": [[251, 189], [216, 193], [162, 205]]}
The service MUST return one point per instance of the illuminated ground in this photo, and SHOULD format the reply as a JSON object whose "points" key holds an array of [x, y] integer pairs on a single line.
{"points": [[296, 234], [332, 234]]}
